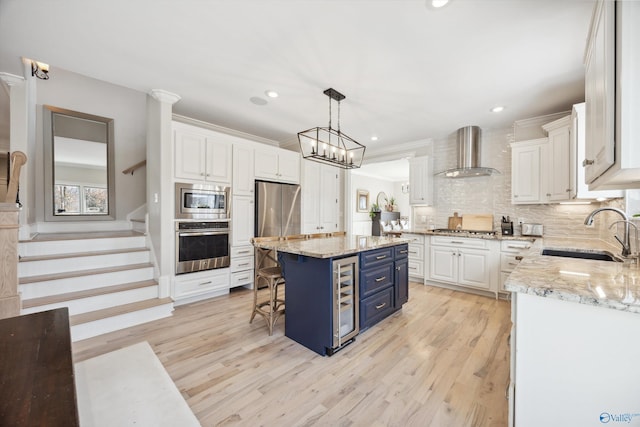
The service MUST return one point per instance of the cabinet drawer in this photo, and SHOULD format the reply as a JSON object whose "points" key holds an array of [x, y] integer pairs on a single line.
{"points": [[239, 264], [415, 238], [184, 288], [241, 251], [508, 262], [416, 251], [376, 307], [241, 278], [375, 278], [514, 245], [377, 256], [401, 251], [459, 242], [416, 268]]}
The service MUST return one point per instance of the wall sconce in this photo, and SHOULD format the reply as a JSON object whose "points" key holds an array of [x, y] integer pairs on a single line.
{"points": [[40, 70], [405, 188]]}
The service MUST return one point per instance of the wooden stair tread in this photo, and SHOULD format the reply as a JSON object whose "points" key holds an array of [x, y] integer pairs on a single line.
{"points": [[80, 273], [47, 237], [116, 311], [104, 290], [80, 254]]}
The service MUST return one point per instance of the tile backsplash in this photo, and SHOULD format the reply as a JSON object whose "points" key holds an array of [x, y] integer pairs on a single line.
{"points": [[492, 194]]}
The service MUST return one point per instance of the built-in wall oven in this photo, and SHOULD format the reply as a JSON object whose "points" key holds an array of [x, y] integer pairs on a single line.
{"points": [[201, 245], [201, 201]]}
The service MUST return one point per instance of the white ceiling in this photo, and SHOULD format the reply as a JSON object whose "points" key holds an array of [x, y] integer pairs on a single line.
{"points": [[408, 72]]}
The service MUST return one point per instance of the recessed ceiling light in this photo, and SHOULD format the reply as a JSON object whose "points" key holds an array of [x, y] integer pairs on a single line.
{"points": [[271, 93], [439, 3], [374, 138], [258, 101], [497, 109]]}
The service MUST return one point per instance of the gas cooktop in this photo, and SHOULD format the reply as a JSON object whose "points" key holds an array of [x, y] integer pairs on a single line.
{"points": [[469, 232]]}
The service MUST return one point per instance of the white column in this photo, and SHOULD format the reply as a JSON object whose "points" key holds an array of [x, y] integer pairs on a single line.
{"points": [[160, 202]]}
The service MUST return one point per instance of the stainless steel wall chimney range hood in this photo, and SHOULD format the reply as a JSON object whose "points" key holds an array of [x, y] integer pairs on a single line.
{"points": [[468, 141]]}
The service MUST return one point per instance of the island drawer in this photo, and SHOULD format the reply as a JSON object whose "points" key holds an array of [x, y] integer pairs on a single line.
{"points": [[376, 307], [376, 256], [401, 251], [375, 278]]}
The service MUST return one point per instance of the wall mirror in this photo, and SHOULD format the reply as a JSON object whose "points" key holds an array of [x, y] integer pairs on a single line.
{"points": [[78, 166], [362, 201]]}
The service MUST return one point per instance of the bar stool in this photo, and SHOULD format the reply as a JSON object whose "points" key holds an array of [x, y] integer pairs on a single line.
{"points": [[271, 276]]}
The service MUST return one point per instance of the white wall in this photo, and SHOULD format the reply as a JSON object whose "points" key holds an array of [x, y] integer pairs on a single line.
{"points": [[128, 109], [361, 221]]}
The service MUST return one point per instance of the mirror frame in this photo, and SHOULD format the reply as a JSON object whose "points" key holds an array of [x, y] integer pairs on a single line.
{"points": [[362, 201], [47, 139]]}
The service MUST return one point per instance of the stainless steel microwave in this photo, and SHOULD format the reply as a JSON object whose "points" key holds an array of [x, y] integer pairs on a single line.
{"points": [[201, 201]]}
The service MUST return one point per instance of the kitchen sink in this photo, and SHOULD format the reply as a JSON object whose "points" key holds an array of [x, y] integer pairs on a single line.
{"points": [[575, 253]]}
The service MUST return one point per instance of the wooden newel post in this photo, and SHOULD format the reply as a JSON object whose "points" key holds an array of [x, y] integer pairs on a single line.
{"points": [[9, 224]]}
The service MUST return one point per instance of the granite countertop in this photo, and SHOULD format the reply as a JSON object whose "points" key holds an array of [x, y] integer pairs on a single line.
{"points": [[496, 236], [328, 247], [599, 283]]}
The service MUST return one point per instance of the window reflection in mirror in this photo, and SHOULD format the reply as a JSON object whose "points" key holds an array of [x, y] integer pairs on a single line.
{"points": [[79, 153]]}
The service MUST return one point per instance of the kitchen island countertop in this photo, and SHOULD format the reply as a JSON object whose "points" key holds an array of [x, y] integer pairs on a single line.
{"points": [[598, 283], [329, 247]]}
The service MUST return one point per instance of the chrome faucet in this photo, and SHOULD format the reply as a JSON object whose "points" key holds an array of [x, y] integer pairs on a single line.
{"points": [[626, 247], [635, 255]]}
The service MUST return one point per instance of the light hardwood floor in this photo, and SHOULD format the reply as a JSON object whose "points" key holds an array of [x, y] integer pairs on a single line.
{"points": [[443, 360]]}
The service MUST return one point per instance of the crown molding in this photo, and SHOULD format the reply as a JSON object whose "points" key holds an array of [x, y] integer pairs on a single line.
{"points": [[164, 96], [11, 79], [398, 151], [222, 129]]}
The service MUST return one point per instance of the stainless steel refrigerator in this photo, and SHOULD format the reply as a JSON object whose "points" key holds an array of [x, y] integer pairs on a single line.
{"points": [[277, 209]]}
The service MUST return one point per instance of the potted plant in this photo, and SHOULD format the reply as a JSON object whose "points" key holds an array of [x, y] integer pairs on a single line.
{"points": [[374, 210], [390, 204]]}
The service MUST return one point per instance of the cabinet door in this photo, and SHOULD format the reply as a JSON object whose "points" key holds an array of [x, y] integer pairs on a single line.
{"points": [[600, 92], [402, 282], [311, 188], [190, 155], [525, 173], [474, 268], [243, 178], [420, 181], [443, 265], [218, 161], [242, 214], [289, 166], [328, 199], [559, 164], [266, 163]]}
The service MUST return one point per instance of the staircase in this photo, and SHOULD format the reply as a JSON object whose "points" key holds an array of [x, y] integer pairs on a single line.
{"points": [[105, 278]]}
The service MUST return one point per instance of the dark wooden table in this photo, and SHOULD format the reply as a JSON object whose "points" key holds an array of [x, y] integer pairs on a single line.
{"points": [[37, 385]]}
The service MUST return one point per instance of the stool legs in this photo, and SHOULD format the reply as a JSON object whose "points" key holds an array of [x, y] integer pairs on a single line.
{"points": [[273, 307]]}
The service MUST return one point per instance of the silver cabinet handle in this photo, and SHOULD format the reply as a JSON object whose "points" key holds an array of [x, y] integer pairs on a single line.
{"points": [[243, 264], [380, 279], [244, 252], [243, 278], [404, 251], [587, 162], [204, 283], [381, 257], [378, 307], [457, 243]]}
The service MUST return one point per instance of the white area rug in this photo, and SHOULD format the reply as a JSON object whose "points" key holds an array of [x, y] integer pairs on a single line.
{"points": [[129, 387]]}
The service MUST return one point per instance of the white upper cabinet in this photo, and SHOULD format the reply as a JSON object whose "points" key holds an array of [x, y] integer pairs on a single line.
{"points": [[201, 154], [612, 93], [526, 173], [421, 181], [320, 189], [243, 174], [558, 160], [276, 164]]}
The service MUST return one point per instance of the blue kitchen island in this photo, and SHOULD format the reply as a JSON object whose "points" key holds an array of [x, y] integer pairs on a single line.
{"points": [[337, 287]]}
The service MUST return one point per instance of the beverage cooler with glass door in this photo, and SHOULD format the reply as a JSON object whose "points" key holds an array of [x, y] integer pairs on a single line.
{"points": [[345, 302]]}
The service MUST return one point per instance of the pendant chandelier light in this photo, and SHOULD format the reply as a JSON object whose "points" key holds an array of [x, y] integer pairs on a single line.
{"points": [[329, 145]]}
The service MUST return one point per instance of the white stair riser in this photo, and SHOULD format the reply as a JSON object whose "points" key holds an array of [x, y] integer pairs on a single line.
{"points": [[98, 302], [110, 324], [74, 284], [53, 266], [81, 245]]}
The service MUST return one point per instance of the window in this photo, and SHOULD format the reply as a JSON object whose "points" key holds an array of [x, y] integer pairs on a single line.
{"points": [[68, 199]]}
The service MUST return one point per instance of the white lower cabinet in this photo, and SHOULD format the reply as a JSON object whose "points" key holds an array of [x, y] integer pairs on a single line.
{"points": [[510, 256], [416, 264], [466, 262], [201, 285], [242, 265]]}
